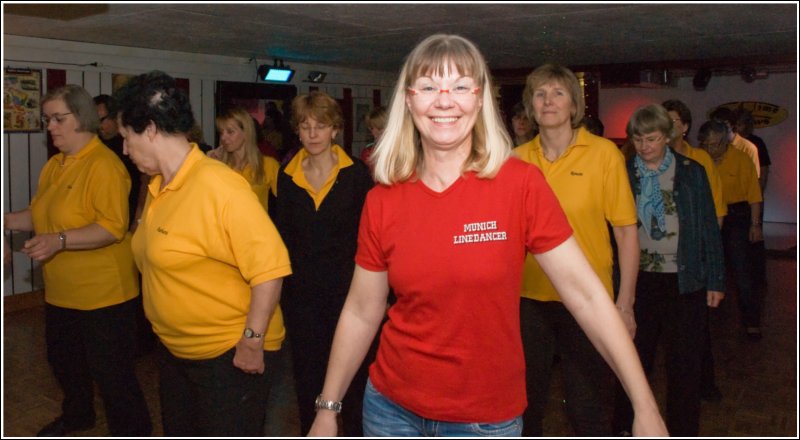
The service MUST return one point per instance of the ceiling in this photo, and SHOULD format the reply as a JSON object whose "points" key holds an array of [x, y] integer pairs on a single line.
{"points": [[377, 36]]}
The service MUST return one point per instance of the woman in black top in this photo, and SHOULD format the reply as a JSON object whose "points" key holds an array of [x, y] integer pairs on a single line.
{"points": [[320, 195]]}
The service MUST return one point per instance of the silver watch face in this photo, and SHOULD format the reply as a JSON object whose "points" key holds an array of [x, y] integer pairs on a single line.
{"points": [[249, 333]]}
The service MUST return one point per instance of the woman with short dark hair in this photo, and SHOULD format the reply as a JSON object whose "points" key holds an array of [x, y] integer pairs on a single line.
{"points": [[212, 264]]}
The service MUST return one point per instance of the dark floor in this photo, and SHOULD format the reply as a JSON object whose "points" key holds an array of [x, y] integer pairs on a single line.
{"points": [[758, 380]]}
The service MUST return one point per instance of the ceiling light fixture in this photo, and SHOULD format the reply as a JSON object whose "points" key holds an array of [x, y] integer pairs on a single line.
{"points": [[276, 73], [316, 76]]}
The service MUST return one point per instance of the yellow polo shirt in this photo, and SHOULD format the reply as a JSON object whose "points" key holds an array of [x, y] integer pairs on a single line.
{"points": [[204, 240], [270, 182], [739, 179], [591, 183], [749, 149], [295, 169], [701, 156], [91, 187]]}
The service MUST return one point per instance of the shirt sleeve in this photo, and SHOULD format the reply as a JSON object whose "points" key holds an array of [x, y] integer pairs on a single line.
{"points": [[618, 204], [108, 187], [370, 255], [257, 248], [546, 223]]}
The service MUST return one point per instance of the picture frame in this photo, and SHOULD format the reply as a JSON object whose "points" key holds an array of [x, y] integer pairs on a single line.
{"points": [[22, 97], [361, 108]]}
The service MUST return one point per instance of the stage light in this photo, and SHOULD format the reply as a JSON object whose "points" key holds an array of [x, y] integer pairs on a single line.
{"points": [[275, 73]]}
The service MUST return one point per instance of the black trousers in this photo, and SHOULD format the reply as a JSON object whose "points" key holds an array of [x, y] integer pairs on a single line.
{"points": [[310, 325], [549, 329], [211, 397], [97, 346], [743, 263], [679, 321]]}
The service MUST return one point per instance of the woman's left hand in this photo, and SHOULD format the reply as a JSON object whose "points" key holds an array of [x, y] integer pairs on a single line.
{"points": [[249, 356], [42, 247]]}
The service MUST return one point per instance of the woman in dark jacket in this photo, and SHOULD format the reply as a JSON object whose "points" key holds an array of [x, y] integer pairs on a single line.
{"points": [[320, 195], [681, 269]]}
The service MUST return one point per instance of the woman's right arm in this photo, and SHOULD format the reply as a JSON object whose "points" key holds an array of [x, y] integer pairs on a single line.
{"points": [[359, 321], [19, 220]]}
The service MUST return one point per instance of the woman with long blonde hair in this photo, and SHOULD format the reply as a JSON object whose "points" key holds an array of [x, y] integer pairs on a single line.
{"points": [[239, 150], [449, 227]]}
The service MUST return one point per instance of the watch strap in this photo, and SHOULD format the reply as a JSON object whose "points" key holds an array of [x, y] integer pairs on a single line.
{"points": [[62, 237]]}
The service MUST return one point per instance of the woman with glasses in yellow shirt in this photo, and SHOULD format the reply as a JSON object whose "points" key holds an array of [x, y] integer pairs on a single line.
{"points": [[80, 218]]}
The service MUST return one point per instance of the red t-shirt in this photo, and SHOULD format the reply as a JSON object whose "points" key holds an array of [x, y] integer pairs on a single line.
{"points": [[451, 349]]}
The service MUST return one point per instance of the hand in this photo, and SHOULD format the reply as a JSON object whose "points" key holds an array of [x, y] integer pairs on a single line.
{"points": [[628, 318], [249, 355], [756, 233], [42, 247], [713, 298], [216, 153], [325, 424]]}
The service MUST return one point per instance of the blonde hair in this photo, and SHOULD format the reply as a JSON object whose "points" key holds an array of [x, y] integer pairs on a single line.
{"points": [[549, 73], [399, 153], [252, 154]]}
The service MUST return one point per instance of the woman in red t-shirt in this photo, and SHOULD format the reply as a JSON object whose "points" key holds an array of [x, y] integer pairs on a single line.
{"points": [[448, 228]]}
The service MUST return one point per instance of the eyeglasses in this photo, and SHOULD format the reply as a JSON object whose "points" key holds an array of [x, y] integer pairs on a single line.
{"points": [[706, 145], [429, 92], [59, 118], [318, 127], [650, 140]]}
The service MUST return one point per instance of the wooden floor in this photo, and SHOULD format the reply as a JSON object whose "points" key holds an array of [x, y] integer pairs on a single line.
{"points": [[758, 380]]}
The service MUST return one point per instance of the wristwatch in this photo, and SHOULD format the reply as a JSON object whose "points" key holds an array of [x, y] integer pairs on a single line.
{"points": [[251, 334], [62, 237], [320, 403]]}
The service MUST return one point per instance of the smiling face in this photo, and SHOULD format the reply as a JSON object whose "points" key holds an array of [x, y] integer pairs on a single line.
{"points": [[63, 126], [444, 109], [553, 106]]}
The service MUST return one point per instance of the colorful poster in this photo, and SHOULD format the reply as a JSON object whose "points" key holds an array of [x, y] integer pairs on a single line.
{"points": [[22, 95]]}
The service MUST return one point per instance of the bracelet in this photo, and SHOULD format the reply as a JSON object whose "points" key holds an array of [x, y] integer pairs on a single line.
{"points": [[321, 403], [62, 237]]}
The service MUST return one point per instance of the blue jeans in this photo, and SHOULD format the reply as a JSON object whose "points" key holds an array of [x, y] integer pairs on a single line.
{"points": [[384, 418]]}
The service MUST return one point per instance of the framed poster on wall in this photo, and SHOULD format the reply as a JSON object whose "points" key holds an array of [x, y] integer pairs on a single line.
{"points": [[361, 108], [22, 96]]}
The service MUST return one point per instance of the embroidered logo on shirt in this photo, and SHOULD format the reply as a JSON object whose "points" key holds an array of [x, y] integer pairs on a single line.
{"points": [[162, 230], [575, 173], [483, 231]]}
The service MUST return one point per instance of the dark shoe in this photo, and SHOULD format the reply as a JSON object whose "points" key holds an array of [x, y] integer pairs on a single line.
{"points": [[753, 333], [711, 394], [57, 428]]}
